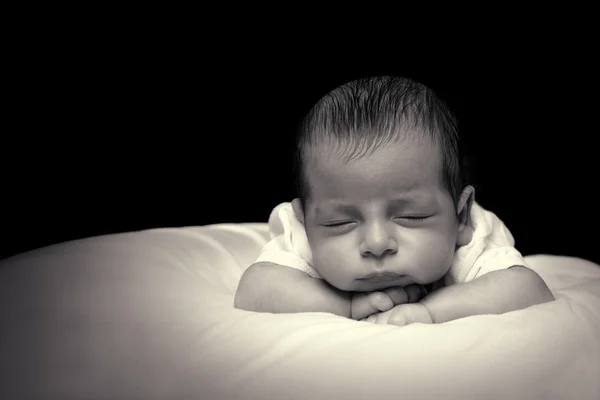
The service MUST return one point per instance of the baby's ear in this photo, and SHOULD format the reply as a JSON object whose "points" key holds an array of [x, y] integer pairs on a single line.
{"points": [[463, 210], [297, 206]]}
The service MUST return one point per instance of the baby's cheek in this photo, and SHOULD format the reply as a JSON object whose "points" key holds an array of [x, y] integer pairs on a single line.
{"points": [[436, 258], [330, 262], [325, 258]]}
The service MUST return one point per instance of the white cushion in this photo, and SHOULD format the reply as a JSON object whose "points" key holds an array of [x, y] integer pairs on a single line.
{"points": [[150, 315]]}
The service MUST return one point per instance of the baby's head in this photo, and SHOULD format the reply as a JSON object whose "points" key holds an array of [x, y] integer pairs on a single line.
{"points": [[382, 188]]}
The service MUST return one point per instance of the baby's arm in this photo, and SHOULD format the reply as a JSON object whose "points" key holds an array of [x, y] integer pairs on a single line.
{"points": [[268, 287], [497, 292]]}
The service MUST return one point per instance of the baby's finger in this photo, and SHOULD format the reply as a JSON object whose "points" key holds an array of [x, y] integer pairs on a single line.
{"points": [[380, 301], [397, 294], [408, 314], [360, 306], [365, 304], [382, 317], [398, 318]]}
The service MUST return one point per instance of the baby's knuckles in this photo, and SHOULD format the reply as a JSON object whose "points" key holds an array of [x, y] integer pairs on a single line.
{"points": [[398, 317], [409, 314]]}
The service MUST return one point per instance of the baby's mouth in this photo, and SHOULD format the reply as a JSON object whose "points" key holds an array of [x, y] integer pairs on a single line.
{"points": [[380, 277]]}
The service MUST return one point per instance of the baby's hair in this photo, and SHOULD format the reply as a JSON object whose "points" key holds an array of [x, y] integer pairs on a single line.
{"points": [[364, 115]]}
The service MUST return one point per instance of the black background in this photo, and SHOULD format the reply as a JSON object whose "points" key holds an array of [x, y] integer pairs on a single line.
{"points": [[133, 134]]}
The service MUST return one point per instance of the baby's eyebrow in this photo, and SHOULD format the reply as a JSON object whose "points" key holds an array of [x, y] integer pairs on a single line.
{"points": [[335, 206], [417, 199]]}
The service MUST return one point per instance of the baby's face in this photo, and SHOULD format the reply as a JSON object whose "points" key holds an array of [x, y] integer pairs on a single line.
{"points": [[382, 220]]}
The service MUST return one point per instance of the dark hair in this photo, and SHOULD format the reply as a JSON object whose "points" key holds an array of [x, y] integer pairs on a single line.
{"points": [[364, 115]]}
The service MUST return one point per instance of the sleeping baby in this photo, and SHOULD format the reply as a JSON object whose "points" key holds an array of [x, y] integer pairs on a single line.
{"points": [[385, 228]]}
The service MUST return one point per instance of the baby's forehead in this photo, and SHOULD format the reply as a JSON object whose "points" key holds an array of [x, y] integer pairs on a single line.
{"points": [[399, 167]]}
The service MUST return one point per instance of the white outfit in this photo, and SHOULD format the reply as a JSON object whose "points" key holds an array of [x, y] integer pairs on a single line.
{"points": [[491, 247]]}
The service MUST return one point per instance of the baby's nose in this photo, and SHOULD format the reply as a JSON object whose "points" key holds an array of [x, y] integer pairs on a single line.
{"points": [[377, 241]]}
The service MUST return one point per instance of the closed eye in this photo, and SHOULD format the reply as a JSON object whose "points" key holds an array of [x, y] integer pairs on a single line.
{"points": [[337, 224], [413, 219]]}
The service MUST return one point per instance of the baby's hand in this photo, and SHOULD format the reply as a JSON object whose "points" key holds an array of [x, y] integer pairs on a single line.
{"points": [[365, 304], [402, 314]]}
